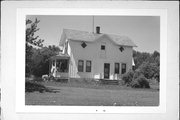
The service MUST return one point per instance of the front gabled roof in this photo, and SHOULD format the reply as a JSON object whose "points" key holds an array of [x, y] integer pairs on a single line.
{"points": [[77, 35]]}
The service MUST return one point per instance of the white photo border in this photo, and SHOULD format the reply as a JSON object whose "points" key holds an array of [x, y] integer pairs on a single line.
{"points": [[20, 60]]}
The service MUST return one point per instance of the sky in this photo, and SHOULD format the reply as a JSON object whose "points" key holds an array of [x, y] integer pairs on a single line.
{"points": [[144, 31]]}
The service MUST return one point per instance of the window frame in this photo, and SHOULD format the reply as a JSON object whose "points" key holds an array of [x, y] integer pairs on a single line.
{"points": [[81, 68], [115, 70], [123, 70], [88, 66], [84, 44], [104, 47]]}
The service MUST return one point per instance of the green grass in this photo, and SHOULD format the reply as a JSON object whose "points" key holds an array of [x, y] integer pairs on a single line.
{"points": [[88, 94], [32, 86]]}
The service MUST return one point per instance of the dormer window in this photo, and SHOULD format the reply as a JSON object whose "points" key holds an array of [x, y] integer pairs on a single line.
{"points": [[103, 47], [83, 44], [121, 49]]}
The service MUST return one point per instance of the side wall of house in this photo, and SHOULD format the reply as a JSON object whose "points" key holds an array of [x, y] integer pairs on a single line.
{"points": [[97, 57]]}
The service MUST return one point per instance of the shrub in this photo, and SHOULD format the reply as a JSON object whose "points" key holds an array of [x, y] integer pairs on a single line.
{"points": [[137, 73], [140, 82], [128, 77], [149, 70]]}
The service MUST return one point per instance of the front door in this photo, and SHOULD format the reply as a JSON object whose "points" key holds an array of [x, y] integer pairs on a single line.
{"points": [[106, 70]]}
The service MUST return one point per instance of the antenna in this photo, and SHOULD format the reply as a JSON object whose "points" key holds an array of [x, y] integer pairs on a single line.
{"points": [[93, 24]]}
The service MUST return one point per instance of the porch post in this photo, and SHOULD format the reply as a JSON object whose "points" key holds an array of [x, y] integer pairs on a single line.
{"points": [[49, 67], [55, 66]]}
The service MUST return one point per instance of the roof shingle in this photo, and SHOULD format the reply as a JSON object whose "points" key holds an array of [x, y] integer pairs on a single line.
{"points": [[90, 37]]}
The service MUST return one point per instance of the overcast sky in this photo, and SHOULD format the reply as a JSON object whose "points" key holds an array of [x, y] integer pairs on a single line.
{"points": [[143, 30]]}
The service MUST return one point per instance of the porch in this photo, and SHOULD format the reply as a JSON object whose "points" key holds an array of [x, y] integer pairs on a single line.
{"points": [[59, 66]]}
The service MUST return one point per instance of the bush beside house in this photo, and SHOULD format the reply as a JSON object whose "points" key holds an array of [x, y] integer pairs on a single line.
{"points": [[140, 82], [135, 79], [148, 64], [128, 77], [147, 69]]}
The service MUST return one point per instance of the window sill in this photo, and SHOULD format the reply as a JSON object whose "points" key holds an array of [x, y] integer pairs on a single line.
{"points": [[83, 72]]}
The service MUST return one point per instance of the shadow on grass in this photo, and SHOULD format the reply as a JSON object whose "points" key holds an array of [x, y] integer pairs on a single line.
{"points": [[31, 86]]}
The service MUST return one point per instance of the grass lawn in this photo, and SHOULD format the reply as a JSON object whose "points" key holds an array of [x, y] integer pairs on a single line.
{"points": [[93, 95]]}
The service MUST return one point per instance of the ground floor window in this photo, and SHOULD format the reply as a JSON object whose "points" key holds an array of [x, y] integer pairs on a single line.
{"points": [[62, 65], [116, 68], [88, 66], [80, 65], [123, 68]]}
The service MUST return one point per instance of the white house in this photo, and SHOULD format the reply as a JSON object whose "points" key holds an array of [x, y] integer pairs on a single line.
{"points": [[92, 55]]}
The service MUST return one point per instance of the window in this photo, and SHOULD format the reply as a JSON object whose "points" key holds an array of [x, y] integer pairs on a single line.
{"points": [[102, 53], [116, 68], [123, 68], [83, 45], [66, 47], [88, 66], [62, 65], [80, 65], [121, 49], [102, 47]]}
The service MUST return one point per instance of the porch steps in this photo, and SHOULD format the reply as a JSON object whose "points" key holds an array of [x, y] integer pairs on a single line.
{"points": [[109, 82]]}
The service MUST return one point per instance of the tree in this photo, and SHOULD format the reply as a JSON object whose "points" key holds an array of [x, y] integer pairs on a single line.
{"points": [[149, 70], [41, 59], [139, 58], [156, 58], [148, 64], [155, 54], [31, 40]]}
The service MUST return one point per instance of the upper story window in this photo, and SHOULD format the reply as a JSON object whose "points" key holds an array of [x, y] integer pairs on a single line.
{"points": [[88, 66], [121, 49], [83, 44], [80, 65], [103, 47]]}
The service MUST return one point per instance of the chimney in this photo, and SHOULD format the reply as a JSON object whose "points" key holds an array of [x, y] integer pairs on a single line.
{"points": [[98, 29]]}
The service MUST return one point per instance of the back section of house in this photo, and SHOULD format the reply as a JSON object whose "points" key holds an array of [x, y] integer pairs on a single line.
{"points": [[100, 59]]}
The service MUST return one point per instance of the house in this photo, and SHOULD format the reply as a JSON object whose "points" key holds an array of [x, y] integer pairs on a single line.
{"points": [[92, 55]]}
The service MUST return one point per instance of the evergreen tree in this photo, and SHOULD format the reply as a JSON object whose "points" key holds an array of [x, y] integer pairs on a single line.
{"points": [[31, 40]]}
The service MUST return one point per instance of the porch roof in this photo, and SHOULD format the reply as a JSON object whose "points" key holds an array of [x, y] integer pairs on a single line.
{"points": [[60, 56]]}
